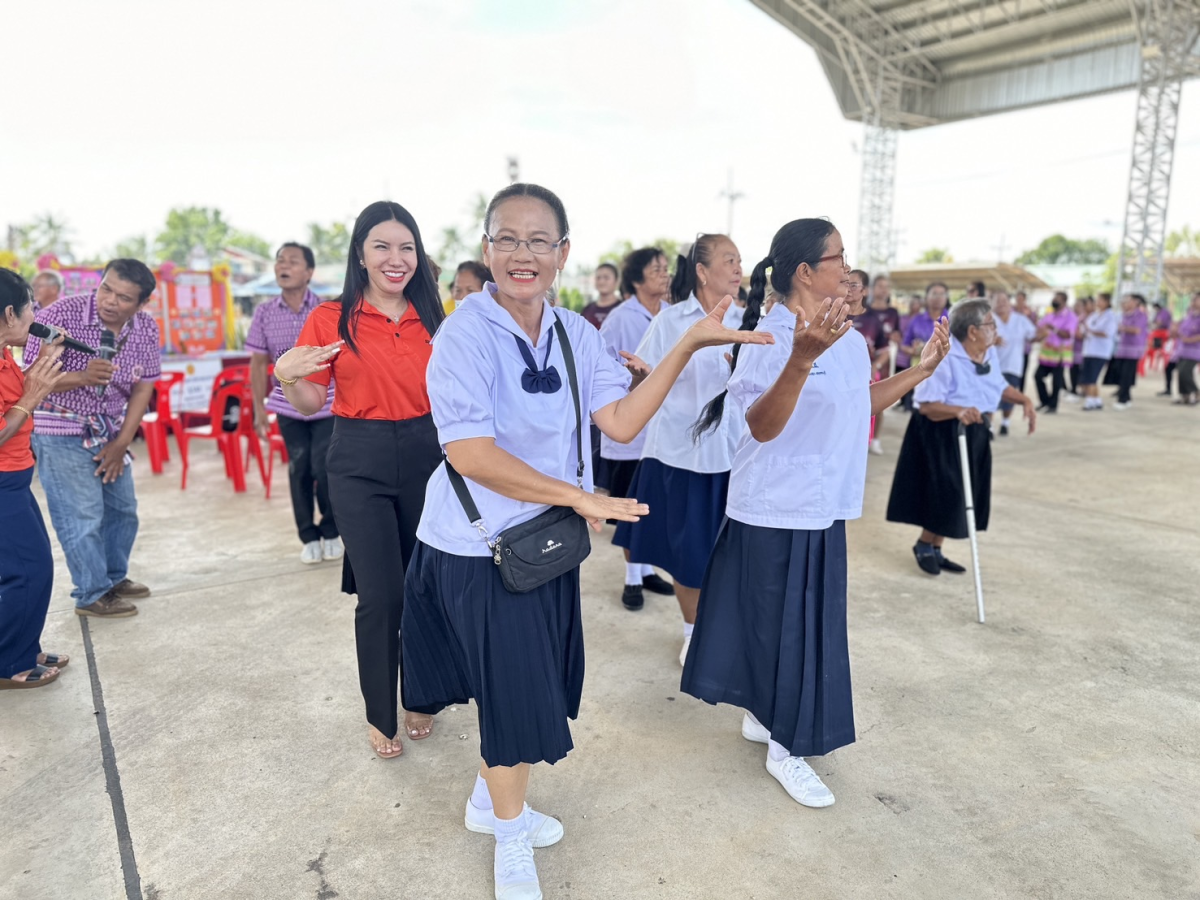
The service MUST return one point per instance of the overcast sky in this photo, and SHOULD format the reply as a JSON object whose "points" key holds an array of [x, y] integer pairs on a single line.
{"points": [[282, 112]]}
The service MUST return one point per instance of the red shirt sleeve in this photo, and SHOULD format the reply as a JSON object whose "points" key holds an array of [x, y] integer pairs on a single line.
{"points": [[319, 329]]}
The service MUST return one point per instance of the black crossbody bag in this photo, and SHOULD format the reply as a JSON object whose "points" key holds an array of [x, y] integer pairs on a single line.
{"points": [[550, 544]]}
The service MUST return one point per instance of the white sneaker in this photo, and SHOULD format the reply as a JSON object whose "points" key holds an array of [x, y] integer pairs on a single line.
{"points": [[516, 875], [687, 642], [876, 447], [542, 830], [1120, 406], [331, 548], [311, 553], [800, 781], [1071, 398], [752, 731]]}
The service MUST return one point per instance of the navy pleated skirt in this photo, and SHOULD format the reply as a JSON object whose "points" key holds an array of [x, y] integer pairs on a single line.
{"points": [[927, 489], [518, 656], [686, 511], [771, 634], [615, 475]]}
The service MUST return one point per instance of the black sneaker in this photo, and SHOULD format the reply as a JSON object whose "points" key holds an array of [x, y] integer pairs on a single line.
{"points": [[658, 585], [632, 597], [945, 564], [1003, 430], [927, 559]]}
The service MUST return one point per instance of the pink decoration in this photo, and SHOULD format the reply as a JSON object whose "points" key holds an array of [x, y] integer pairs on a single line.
{"points": [[48, 261], [167, 271]]}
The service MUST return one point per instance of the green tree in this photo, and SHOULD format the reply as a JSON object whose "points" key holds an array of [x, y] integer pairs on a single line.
{"points": [[45, 233], [244, 240], [460, 241], [616, 255], [329, 243], [1183, 242], [136, 247], [1059, 250], [189, 228], [934, 255]]}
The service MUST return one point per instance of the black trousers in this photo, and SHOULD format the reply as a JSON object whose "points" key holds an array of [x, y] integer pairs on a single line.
{"points": [[307, 446], [1167, 373], [1074, 372], [1048, 398], [1126, 376], [377, 475]]}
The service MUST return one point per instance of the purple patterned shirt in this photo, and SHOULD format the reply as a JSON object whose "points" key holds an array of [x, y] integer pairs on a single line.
{"points": [[274, 331], [1188, 327], [1132, 346], [138, 359]]}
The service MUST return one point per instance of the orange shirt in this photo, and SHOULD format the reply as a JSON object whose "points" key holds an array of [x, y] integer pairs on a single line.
{"points": [[15, 454], [385, 379]]}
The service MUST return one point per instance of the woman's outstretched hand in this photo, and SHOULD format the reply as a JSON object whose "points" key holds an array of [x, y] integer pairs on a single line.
{"points": [[300, 362], [831, 322], [711, 331], [935, 348], [596, 508]]}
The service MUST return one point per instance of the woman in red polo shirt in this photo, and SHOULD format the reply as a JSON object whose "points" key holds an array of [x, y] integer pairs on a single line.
{"points": [[26, 566], [374, 342]]}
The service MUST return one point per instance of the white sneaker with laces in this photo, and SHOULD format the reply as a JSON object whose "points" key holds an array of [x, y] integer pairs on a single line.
{"points": [[1120, 405], [331, 548], [543, 830], [687, 642], [800, 781], [516, 875], [752, 731], [311, 553], [876, 447]]}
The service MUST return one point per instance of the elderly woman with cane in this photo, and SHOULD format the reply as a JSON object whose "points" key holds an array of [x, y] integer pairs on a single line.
{"points": [[928, 488]]}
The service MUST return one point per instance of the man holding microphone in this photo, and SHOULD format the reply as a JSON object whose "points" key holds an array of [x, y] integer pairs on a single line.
{"points": [[83, 431]]}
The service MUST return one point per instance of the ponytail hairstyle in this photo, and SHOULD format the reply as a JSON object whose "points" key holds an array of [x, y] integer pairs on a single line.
{"points": [[799, 241], [422, 291], [683, 285]]}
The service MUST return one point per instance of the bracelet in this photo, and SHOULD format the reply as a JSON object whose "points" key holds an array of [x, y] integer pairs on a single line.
{"points": [[285, 381], [28, 414]]}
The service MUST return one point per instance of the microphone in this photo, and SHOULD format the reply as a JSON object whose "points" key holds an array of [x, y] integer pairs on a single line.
{"points": [[48, 333], [108, 349]]}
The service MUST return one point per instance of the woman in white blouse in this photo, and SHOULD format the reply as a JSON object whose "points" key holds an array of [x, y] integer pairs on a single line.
{"points": [[771, 625], [505, 416], [685, 479]]}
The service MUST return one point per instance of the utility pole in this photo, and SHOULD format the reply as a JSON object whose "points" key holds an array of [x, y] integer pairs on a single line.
{"points": [[514, 170], [1000, 249], [733, 197]]}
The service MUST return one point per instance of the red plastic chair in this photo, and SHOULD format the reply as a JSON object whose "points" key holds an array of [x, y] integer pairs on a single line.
{"points": [[156, 424], [275, 445], [1155, 357], [229, 442]]}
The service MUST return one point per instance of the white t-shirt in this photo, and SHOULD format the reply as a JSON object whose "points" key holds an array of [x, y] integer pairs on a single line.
{"points": [[624, 329], [475, 390], [669, 432], [1101, 320], [1016, 331], [813, 473]]}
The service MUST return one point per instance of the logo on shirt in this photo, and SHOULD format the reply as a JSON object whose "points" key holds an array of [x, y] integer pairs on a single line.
{"points": [[551, 545]]}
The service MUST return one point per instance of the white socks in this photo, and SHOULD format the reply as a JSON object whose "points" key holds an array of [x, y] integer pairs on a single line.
{"points": [[775, 750], [1004, 421], [509, 829], [635, 572], [687, 629], [1093, 403], [480, 798]]}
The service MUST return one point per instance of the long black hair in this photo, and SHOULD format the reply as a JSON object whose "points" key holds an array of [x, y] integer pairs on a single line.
{"points": [[421, 292], [799, 241], [683, 285], [14, 292]]}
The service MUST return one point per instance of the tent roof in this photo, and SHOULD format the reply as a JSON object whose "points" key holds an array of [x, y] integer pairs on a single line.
{"points": [[956, 276], [1182, 273]]}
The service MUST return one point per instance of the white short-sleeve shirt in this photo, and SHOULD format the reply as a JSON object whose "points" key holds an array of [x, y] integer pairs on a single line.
{"points": [[624, 329], [813, 473], [1104, 320], [669, 431], [958, 382], [475, 390], [1016, 331]]}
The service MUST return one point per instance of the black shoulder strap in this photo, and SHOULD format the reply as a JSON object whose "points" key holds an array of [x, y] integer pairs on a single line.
{"points": [[460, 485]]}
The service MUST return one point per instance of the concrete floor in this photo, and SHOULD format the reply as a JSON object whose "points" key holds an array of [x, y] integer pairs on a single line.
{"points": [[1053, 753]]}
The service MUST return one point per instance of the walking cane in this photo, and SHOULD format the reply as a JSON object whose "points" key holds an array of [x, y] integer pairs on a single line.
{"points": [[969, 493]]}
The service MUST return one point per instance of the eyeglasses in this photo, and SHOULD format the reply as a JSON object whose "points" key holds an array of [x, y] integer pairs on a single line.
{"points": [[537, 246], [841, 256]]}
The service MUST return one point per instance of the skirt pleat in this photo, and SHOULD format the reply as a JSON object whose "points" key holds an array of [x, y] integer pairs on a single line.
{"points": [[518, 656], [927, 489], [770, 634], [686, 510]]}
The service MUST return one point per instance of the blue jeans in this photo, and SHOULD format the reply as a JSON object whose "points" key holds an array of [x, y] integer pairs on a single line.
{"points": [[26, 574], [96, 523]]}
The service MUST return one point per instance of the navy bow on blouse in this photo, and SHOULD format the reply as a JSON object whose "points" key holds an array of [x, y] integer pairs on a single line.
{"points": [[545, 380]]}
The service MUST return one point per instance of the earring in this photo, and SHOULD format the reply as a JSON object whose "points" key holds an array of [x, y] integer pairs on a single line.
{"points": [[703, 284], [362, 264]]}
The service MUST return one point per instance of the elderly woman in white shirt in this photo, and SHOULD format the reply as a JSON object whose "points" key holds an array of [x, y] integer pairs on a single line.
{"points": [[927, 489], [503, 400], [684, 480], [770, 631], [1099, 338]]}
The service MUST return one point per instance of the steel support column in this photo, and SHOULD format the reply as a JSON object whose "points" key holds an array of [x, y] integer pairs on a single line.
{"points": [[1167, 30]]}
